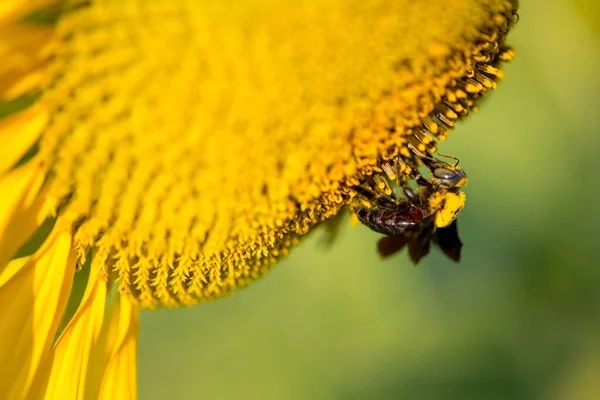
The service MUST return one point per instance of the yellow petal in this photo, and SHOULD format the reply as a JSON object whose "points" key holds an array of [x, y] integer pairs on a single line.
{"points": [[113, 368], [12, 8], [21, 208], [63, 376], [19, 85], [33, 294], [18, 133], [22, 47]]}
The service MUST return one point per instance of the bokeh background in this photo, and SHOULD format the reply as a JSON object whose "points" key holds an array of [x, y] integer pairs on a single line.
{"points": [[518, 318]]}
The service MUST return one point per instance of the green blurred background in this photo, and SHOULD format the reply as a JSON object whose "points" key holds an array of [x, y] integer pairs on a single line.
{"points": [[518, 318]]}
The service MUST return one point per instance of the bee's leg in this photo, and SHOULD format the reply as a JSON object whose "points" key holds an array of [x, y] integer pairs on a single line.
{"points": [[399, 165], [414, 198], [421, 181], [381, 200], [410, 195], [365, 192], [400, 171], [429, 218], [396, 173], [386, 201], [431, 162]]}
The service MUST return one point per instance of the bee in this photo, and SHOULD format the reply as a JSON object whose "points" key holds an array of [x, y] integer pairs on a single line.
{"points": [[421, 216], [443, 195]]}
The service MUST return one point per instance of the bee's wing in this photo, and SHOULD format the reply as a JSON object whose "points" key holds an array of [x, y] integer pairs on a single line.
{"points": [[418, 247], [389, 245], [448, 240]]}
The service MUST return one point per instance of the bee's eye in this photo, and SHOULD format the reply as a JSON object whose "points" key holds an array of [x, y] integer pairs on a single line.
{"points": [[445, 174]]}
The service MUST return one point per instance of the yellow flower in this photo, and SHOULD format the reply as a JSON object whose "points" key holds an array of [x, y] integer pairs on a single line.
{"points": [[182, 147]]}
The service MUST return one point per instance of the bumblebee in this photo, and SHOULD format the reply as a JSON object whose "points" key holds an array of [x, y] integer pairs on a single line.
{"points": [[427, 214]]}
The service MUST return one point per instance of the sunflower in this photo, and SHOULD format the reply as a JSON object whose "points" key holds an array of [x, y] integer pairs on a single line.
{"points": [[173, 151]]}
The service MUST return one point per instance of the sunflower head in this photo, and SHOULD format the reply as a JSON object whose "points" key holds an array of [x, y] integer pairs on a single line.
{"points": [[177, 149], [188, 146]]}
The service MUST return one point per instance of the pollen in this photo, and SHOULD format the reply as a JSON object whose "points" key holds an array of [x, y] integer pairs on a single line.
{"points": [[190, 144]]}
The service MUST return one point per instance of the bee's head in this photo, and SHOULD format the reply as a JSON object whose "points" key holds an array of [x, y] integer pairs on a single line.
{"points": [[449, 177], [445, 176]]}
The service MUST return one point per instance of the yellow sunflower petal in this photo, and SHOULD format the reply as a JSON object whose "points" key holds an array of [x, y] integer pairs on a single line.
{"points": [[113, 368], [22, 44], [22, 51], [18, 133], [22, 208], [20, 83], [64, 374], [33, 294]]}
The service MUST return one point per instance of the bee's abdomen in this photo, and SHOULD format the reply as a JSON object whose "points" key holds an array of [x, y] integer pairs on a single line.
{"points": [[389, 222]]}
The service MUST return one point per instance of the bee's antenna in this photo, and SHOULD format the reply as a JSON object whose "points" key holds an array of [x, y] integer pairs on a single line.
{"points": [[450, 157], [430, 162]]}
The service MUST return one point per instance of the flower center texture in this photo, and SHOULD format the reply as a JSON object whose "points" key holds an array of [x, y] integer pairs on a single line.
{"points": [[191, 144]]}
